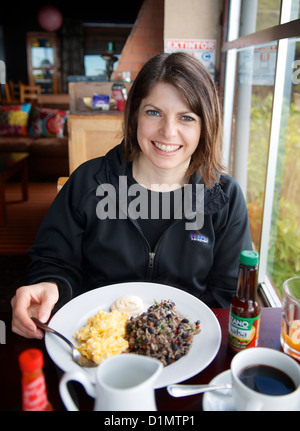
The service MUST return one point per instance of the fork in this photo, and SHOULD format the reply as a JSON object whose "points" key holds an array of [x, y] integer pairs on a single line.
{"points": [[76, 355]]}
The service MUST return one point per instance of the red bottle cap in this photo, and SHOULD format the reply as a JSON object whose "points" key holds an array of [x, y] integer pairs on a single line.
{"points": [[31, 360]]}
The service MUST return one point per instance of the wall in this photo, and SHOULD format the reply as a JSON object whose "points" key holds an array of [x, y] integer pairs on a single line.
{"points": [[161, 19], [145, 39], [194, 19]]}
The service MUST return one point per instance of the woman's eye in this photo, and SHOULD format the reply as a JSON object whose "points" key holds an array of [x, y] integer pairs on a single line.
{"points": [[187, 118], [152, 112]]}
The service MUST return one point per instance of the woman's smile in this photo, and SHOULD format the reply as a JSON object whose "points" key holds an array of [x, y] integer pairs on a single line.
{"points": [[167, 148]]}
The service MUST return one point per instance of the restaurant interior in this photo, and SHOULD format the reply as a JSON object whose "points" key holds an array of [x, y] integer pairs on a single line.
{"points": [[131, 34], [57, 56]]}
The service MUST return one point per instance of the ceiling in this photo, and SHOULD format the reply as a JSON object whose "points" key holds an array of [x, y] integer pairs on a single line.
{"points": [[101, 11], [16, 19]]}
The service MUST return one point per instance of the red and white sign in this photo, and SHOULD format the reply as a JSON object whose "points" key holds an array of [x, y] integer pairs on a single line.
{"points": [[190, 44], [203, 49]]}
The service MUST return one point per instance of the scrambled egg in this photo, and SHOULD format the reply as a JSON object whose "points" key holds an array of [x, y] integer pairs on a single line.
{"points": [[103, 335]]}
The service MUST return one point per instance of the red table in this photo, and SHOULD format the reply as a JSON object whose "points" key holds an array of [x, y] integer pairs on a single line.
{"points": [[10, 386]]}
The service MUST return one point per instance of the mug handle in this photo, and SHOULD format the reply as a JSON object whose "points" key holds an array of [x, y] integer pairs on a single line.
{"points": [[64, 391]]}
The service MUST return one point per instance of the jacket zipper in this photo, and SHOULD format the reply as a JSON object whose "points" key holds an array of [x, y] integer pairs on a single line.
{"points": [[151, 254], [151, 259]]}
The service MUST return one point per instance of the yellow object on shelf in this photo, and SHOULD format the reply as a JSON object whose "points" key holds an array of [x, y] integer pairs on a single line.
{"points": [[88, 101]]}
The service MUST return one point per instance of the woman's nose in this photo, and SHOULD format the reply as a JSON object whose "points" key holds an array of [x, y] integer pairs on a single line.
{"points": [[169, 128]]}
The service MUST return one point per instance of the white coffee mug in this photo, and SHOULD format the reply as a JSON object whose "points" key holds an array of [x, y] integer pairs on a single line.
{"points": [[123, 383], [246, 398]]}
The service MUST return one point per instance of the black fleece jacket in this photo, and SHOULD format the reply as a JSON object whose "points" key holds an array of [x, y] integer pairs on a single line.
{"points": [[82, 252]]}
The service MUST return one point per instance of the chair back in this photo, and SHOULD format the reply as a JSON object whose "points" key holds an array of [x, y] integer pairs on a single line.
{"points": [[29, 93], [5, 96]]}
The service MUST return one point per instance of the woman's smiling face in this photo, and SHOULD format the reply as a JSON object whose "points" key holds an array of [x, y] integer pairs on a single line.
{"points": [[168, 131]]}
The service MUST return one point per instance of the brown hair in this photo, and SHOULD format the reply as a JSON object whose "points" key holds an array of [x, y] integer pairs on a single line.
{"points": [[194, 82]]}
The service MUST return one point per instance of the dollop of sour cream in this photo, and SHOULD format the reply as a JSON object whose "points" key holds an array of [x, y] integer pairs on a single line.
{"points": [[131, 304]]}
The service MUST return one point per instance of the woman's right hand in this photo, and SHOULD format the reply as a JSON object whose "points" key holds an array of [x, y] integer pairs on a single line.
{"points": [[36, 300]]}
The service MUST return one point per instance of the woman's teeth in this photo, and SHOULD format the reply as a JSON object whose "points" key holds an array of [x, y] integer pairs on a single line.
{"points": [[166, 148]]}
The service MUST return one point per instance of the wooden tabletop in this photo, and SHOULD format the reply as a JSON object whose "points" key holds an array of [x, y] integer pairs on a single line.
{"points": [[11, 345], [7, 160]]}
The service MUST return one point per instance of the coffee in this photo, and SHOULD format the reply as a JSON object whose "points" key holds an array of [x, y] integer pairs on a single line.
{"points": [[267, 380]]}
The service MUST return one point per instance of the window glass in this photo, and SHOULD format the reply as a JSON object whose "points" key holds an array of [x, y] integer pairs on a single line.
{"points": [[252, 119], [284, 245], [42, 53], [258, 15], [260, 72], [95, 65], [268, 13], [265, 134], [44, 78]]}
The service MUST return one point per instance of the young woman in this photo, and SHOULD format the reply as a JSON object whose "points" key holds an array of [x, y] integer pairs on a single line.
{"points": [[158, 207]]}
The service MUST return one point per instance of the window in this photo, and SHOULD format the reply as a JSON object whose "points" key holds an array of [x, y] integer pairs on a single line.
{"points": [[99, 39], [42, 61], [95, 65], [262, 130]]}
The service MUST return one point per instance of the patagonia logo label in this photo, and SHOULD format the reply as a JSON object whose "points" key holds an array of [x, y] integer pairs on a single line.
{"points": [[199, 238]]}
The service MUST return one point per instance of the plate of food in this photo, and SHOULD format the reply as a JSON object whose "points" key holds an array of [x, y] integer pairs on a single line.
{"points": [[139, 317]]}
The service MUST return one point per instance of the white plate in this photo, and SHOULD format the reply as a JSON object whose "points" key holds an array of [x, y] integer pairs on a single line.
{"points": [[73, 316], [219, 401]]}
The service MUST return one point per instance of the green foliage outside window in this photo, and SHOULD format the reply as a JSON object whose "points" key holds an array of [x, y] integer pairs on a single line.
{"points": [[284, 246]]}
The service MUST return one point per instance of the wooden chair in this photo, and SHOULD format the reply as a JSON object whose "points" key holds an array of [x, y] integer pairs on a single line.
{"points": [[5, 96], [29, 93], [14, 88], [61, 182]]}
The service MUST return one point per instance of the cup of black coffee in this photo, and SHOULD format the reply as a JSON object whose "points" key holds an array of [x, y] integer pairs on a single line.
{"points": [[265, 379]]}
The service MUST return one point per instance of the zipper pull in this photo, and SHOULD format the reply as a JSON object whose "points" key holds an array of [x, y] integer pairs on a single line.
{"points": [[151, 259]]}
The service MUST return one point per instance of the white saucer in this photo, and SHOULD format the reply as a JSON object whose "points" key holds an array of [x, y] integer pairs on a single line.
{"points": [[219, 400]]}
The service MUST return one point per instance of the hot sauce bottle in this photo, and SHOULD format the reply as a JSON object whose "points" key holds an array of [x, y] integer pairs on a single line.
{"points": [[34, 391], [244, 315]]}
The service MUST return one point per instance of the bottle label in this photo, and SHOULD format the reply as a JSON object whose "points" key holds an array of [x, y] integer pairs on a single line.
{"points": [[243, 332], [35, 395]]}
